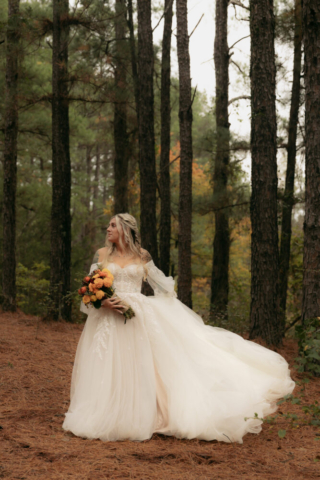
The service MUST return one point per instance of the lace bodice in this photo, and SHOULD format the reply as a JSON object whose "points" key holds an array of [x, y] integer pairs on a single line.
{"points": [[128, 279]]}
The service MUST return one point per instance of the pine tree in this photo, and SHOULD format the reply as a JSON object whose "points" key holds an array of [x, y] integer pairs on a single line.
{"points": [[165, 215], [288, 198], [221, 243], [61, 169], [121, 159], [264, 239], [148, 179], [311, 252], [10, 159], [186, 155]]}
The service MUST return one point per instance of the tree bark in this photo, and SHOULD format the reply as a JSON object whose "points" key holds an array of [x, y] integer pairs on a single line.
{"points": [[61, 171], [221, 243], [10, 159], [121, 159], [88, 180], [185, 121], [288, 199], [165, 214], [264, 238], [96, 178], [148, 179], [311, 253], [134, 66], [96, 185]]}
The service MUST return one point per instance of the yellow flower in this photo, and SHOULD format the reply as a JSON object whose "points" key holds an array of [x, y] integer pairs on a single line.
{"points": [[107, 282], [93, 298], [98, 282], [86, 299], [106, 273], [100, 294], [96, 275]]}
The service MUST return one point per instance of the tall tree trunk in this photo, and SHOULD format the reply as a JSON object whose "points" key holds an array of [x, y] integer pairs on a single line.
{"points": [[311, 253], [165, 215], [61, 171], [288, 199], [148, 179], [96, 178], [10, 159], [86, 199], [88, 180], [221, 243], [264, 239], [185, 120], [134, 66], [120, 113]]}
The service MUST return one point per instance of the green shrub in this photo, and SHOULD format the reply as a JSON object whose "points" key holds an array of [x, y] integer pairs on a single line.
{"points": [[308, 336], [32, 288]]}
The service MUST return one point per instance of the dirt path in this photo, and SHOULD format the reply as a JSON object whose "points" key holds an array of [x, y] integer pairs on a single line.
{"points": [[35, 367]]}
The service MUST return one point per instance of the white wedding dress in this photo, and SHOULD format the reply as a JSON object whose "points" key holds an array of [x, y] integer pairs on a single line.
{"points": [[165, 371]]}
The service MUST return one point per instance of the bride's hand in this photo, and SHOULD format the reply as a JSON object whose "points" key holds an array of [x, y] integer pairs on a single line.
{"points": [[113, 304]]}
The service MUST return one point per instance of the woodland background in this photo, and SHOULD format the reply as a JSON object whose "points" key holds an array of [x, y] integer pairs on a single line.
{"points": [[90, 117]]}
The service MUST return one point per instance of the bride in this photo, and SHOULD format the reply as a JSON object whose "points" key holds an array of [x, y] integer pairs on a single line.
{"points": [[164, 370]]}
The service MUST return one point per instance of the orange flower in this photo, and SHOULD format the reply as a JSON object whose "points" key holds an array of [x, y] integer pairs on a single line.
{"points": [[98, 282], [106, 273], [92, 287], [93, 298], [100, 294], [107, 282], [86, 299]]}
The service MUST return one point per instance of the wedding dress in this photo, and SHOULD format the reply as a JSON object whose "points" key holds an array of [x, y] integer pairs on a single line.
{"points": [[165, 371]]}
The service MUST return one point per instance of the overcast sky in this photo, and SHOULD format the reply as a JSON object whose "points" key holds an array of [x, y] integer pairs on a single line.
{"points": [[202, 65], [201, 55]]}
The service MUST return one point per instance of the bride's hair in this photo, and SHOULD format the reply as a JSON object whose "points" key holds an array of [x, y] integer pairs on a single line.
{"points": [[129, 236]]}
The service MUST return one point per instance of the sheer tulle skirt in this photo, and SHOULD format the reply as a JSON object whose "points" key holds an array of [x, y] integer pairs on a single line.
{"points": [[165, 371]]}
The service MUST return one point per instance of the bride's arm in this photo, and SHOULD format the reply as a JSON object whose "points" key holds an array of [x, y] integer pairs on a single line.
{"points": [[161, 284]]}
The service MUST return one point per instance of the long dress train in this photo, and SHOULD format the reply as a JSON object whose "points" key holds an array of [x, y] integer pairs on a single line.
{"points": [[165, 371]]}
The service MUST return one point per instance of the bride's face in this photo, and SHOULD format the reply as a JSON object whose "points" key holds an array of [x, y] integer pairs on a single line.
{"points": [[113, 232]]}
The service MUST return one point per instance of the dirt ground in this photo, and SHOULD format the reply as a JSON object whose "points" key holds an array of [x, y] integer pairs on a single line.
{"points": [[36, 361]]}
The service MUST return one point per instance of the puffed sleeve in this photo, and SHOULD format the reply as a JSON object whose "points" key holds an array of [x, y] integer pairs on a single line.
{"points": [[157, 280]]}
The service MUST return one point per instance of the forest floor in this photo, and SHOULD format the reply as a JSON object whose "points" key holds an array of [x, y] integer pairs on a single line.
{"points": [[36, 361]]}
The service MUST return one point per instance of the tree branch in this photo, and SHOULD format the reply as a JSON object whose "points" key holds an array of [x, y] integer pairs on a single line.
{"points": [[172, 161], [194, 94], [238, 4], [235, 43], [222, 208], [296, 320], [164, 14], [241, 97], [196, 25], [234, 63]]}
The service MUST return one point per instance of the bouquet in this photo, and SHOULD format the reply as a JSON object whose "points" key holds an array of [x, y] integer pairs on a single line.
{"points": [[97, 287]]}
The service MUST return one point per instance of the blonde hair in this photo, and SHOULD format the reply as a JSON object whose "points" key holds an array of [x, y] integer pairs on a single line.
{"points": [[129, 236]]}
